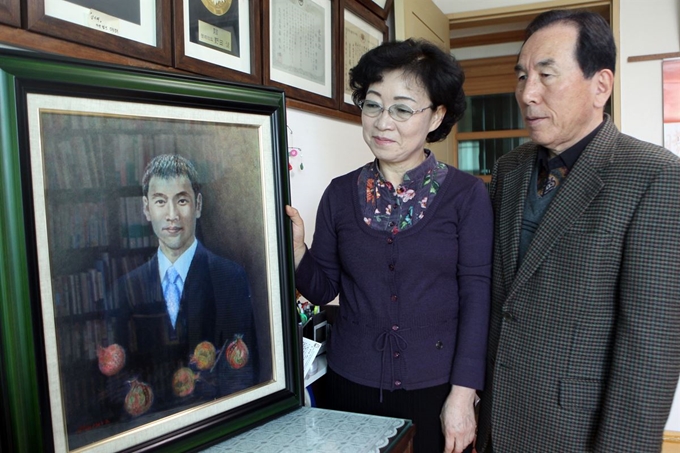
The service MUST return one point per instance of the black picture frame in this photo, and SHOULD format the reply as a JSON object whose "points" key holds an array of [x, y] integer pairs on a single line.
{"points": [[66, 127]]}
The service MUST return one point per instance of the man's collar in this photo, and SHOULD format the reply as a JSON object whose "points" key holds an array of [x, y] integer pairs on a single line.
{"points": [[182, 263], [568, 157]]}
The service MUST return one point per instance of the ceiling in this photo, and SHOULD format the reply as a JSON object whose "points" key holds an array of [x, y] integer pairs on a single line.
{"points": [[459, 6], [500, 21]]}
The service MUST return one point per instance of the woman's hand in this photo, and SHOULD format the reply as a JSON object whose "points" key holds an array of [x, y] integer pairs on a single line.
{"points": [[299, 247], [458, 419]]}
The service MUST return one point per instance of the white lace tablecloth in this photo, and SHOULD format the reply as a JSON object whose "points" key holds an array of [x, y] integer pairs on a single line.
{"points": [[315, 430]]}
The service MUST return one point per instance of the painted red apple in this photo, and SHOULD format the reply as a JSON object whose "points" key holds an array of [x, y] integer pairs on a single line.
{"points": [[237, 352], [204, 355], [111, 359], [138, 400], [184, 381]]}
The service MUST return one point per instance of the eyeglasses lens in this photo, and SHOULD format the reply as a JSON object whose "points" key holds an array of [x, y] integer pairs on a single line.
{"points": [[399, 112]]}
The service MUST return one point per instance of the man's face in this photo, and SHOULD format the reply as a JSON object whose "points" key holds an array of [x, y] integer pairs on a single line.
{"points": [[172, 208], [560, 106]]}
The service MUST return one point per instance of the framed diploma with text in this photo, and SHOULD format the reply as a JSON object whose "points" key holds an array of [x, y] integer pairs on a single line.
{"points": [[220, 38], [10, 12], [136, 28], [299, 37], [380, 7], [361, 31]]}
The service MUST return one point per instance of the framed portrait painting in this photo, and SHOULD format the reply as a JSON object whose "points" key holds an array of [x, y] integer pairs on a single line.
{"points": [[220, 38], [148, 303], [136, 28]]}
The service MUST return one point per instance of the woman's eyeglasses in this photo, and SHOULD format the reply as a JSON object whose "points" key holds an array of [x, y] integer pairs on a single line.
{"points": [[398, 112]]}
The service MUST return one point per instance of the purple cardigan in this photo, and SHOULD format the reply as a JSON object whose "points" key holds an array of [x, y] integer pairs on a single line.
{"points": [[414, 307]]}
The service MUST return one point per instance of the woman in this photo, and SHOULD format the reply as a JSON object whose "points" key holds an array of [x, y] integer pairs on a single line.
{"points": [[406, 243]]}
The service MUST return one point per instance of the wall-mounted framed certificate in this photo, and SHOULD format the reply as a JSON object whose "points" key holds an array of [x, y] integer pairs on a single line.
{"points": [[361, 31], [136, 28], [220, 38], [299, 51]]}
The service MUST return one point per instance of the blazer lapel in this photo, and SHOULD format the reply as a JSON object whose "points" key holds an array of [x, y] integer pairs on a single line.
{"points": [[579, 189], [514, 193]]}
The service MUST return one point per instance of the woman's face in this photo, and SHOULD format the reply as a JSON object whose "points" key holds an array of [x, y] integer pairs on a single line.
{"points": [[399, 144]]}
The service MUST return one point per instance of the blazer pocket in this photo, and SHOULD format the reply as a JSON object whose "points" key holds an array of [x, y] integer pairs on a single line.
{"points": [[581, 395]]}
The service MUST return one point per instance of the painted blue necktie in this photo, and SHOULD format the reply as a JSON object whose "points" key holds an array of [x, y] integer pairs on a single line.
{"points": [[172, 294]]}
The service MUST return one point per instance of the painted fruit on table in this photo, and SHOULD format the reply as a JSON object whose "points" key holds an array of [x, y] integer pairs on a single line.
{"points": [[139, 399], [204, 355], [111, 359], [237, 352], [184, 381]]}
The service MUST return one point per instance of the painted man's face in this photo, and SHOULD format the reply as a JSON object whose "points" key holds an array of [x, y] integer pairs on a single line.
{"points": [[172, 207]]}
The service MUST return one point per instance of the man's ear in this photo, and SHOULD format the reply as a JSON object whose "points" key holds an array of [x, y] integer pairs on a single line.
{"points": [[145, 208], [199, 205], [603, 85]]}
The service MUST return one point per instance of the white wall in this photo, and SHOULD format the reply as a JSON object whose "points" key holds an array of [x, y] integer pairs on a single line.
{"points": [[329, 148], [647, 27]]}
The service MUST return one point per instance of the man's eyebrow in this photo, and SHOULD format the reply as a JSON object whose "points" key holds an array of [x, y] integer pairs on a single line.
{"points": [[541, 64], [546, 62]]}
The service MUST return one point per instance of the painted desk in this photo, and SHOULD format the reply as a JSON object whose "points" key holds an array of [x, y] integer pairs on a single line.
{"points": [[313, 430]]}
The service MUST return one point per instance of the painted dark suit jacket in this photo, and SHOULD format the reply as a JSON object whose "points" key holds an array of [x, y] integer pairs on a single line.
{"points": [[215, 306], [584, 338]]}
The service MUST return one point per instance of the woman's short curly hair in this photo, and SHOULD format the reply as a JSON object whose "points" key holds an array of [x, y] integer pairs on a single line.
{"points": [[439, 73]]}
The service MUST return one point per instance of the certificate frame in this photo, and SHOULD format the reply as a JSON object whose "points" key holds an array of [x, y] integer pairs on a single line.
{"points": [[382, 8], [10, 12], [308, 82], [243, 63], [144, 32], [48, 99], [366, 31]]}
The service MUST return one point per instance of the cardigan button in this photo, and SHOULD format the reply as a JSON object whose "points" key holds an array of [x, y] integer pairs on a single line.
{"points": [[390, 240], [397, 354], [439, 345], [397, 383], [395, 327], [393, 297]]}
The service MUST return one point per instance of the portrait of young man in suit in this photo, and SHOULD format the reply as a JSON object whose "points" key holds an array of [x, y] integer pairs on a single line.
{"points": [[584, 337], [185, 296]]}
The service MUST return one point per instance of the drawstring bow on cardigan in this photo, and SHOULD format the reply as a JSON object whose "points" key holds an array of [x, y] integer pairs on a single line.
{"points": [[396, 343]]}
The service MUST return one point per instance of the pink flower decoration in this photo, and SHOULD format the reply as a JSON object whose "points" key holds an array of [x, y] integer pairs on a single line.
{"points": [[407, 195]]}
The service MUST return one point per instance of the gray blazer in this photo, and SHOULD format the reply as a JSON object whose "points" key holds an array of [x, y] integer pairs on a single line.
{"points": [[584, 340]]}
